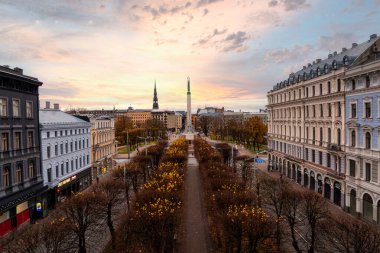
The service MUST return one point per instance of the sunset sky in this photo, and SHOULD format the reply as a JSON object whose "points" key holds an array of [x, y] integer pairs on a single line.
{"points": [[100, 54]]}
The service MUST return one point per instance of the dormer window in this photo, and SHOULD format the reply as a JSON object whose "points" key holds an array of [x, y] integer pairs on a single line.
{"points": [[299, 78], [311, 74], [335, 65], [304, 76], [326, 68], [318, 72], [345, 60]]}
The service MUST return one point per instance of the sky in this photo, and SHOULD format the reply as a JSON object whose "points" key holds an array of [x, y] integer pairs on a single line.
{"points": [[101, 53]]}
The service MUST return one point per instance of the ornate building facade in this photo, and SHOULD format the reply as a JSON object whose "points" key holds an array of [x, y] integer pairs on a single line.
{"points": [[362, 85], [103, 144], [306, 123]]}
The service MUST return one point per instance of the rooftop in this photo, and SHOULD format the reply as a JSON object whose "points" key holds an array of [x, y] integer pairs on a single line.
{"points": [[58, 117]]}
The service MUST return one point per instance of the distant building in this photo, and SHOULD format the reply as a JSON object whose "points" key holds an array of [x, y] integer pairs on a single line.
{"points": [[208, 110], [65, 146], [162, 116], [21, 182], [103, 145], [139, 116], [174, 121]]}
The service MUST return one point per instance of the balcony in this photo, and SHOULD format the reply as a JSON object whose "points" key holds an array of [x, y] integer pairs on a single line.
{"points": [[334, 147]]}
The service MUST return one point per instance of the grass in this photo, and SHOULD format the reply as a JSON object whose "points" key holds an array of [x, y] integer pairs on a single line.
{"points": [[124, 150]]}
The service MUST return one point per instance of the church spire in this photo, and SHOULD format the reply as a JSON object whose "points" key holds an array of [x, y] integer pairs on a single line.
{"points": [[188, 85], [155, 99]]}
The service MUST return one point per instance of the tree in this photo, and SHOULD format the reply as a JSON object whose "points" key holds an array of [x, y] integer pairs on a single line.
{"points": [[109, 190], [122, 124], [256, 130], [81, 213], [315, 209]]}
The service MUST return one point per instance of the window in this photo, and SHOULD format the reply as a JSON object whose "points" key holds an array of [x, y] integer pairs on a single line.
{"points": [[6, 177], [313, 156], [55, 134], [16, 108], [29, 109], [62, 169], [328, 87], [307, 92], [3, 107], [88, 159], [320, 157], [67, 147], [367, 172], [321, 110], [76, 145], [30, 139], [353, 110], [19, 173], [353, 138], [307, 134], [352, 168], [32, 173], [338, 88], [320, 136], [313, 90], [320, 89], [314, 111], [17, 141], [56, 171], [367, 108], [47, 134], [338, 136], [329, 110], [368, 140], [329, 135], [335, 65], [313, 140], [71, 146], [61, 147], [345, 60], [72, 165], [67, 167], [306, 154], [49, 175], [339, 110], [48, 152], [56, 149], [5, 141], [353, 85], [367, 82], [328, 160]]}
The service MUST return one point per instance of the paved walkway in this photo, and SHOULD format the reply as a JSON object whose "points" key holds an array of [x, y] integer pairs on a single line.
{"points": [[194, 224]]}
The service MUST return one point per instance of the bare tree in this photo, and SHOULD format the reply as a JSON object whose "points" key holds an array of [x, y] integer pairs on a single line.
{"points": [[110, 191], [81, 214]]}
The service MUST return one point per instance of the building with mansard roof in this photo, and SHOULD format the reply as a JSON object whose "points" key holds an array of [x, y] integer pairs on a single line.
{"points": [[307, 122]]}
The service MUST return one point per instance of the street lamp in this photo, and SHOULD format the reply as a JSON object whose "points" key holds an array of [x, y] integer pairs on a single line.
{"points": [[146, 149]]}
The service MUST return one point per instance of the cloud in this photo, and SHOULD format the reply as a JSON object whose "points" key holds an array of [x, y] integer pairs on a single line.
{"points": [[336, 41], [235, 42], [206, 39], [289, 5], [285, 55], [162, 10], [206, 2]]}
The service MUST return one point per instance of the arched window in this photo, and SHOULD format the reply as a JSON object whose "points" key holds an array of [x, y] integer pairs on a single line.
{"points": [[335, 65], [368, 140], [338, 137], [318, 71], [353, 138], [326, 68]]}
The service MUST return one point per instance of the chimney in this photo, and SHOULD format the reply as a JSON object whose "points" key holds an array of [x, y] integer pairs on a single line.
{"points": [[318, 60], [373, 36], [354, 45], [344, 49], [18, 70], [330, 56], [56, 106], [335, 53], [47, 105], [304, 67]]}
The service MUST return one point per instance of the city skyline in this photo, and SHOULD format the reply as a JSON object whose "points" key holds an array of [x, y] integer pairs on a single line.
{"points": [[109, 53]]}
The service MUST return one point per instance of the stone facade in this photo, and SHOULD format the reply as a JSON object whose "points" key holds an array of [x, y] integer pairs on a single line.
{"points": [[362, 84], [103, 144], [307, 122]]}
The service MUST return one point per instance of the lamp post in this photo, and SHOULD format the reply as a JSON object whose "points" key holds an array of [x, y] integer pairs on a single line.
{"points": [[146, 149]]}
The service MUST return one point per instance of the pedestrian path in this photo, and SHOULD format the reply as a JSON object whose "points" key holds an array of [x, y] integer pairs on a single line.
{"points": [[194, 224]]}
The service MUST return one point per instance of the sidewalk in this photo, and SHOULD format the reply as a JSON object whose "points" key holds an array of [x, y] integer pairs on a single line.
{"points": [[195, 224]]}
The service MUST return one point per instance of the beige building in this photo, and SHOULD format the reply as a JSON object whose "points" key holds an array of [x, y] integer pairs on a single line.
{"points": [[139, 116], [174, 121], [103, 144]]}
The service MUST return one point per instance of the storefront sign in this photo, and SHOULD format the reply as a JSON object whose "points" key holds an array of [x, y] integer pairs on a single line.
{"points": [[38, 207], [67, 180]]}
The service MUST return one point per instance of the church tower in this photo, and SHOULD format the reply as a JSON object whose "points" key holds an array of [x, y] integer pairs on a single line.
{"points": [[155, 99]]}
